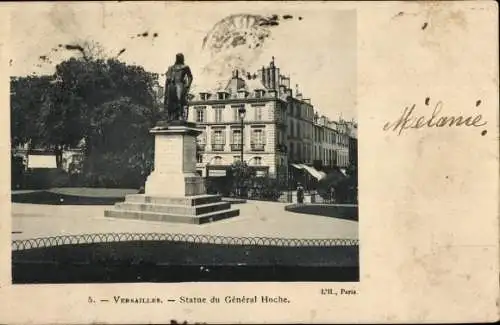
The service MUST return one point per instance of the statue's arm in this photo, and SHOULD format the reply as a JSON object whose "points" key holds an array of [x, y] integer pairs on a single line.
{"points": [[189, 77]]}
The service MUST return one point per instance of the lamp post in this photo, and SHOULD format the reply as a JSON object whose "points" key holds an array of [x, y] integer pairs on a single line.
{"points": [[242, 112]]}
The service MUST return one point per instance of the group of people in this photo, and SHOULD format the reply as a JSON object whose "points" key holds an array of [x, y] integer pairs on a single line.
{"points": [[300, 194]]}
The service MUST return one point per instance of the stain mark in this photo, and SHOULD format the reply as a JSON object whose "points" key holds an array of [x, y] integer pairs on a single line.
{"points": [[427, 101], [484, 132], [10, 62], [75, 47], [155, 35], [478, 102], [424, 26], [300, 18], [268, 23], [121, 52], [287, 16], [145, 34], [238, 40], [447, 177]]}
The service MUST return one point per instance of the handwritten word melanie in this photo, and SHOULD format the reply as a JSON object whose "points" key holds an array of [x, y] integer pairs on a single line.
{"points": [[410, 120]]}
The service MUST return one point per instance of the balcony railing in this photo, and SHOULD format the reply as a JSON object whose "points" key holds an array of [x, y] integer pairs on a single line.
{"points": [[217, 147], [257, 147], [235, 146]]}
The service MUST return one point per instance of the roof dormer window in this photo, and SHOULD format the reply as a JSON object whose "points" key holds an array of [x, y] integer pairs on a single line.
{"points": [[222, 95], [259, 93], [204, 96]]}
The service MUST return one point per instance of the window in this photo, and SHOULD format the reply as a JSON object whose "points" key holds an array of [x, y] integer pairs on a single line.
{"points": [[201, 141], [236, 136], [204, 96], [222, 95], [200, 115], [257, 161], [236, 140], [258, 113], [218, 137], [218, 115], [199, 158], [258, 136], [259, 93], [217, 160], [258, 139], [202, 138]]}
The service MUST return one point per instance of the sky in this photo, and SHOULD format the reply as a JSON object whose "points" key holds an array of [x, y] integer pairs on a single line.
{"points": [[316, 46]]}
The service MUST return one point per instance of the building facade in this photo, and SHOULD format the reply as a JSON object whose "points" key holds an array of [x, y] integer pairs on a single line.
{"points": [[280, 126]]}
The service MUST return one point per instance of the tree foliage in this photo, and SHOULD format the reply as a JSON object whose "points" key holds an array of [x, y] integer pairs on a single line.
{"points": [[28, 95], [105, 102]]}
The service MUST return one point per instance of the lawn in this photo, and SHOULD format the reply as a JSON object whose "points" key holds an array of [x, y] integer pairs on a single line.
{"points": [[168, 261], [72, 196], [339, 211]]}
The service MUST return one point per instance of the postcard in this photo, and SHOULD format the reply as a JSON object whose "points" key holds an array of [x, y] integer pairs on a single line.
{"points": [[249, 162]]}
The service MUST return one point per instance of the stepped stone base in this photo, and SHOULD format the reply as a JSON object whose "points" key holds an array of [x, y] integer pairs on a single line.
{"points": [[196, 209]]}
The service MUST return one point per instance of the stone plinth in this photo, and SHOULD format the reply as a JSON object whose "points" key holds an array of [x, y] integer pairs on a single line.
{"points": [[174, 192], [174, 172]]}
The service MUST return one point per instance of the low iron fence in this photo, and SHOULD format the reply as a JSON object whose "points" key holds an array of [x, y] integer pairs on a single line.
{"points": [[187, 238]]}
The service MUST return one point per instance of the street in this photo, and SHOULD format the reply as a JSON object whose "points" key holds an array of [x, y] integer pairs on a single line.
{"points": [[257, 219]]}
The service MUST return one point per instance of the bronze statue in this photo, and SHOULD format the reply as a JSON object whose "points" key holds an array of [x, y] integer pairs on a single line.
{"points": [[177, 84]]}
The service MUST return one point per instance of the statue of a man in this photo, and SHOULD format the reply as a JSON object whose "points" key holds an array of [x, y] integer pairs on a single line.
{"points": [[177, 84]]}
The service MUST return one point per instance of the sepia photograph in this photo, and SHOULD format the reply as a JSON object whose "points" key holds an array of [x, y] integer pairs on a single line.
{"points": [[198, 162], [218, 150]]}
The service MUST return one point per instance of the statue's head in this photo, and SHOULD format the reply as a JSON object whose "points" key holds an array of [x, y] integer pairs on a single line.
{"points": [[179, 58]]}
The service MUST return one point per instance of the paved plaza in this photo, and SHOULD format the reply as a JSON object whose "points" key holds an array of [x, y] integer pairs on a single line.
{"points": [[257, 219]]}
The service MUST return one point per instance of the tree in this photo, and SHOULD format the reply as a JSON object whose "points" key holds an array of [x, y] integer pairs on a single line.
{"points": [[105, 102], [28, 96], [241, 176], [122, 152], [85, 87]]}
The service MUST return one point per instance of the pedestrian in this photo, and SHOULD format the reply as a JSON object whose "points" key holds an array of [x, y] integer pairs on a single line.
{"points": [[332, 194], [300, 193]]}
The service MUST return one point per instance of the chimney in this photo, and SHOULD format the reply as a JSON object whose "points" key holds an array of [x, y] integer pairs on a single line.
{"points": [[262, 75], [268, 78], [286, 82], [282, 89], [298, 95], [276, 78]]}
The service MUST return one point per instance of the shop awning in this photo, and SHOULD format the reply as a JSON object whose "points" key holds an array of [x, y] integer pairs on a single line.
{"points": [[319, 175]]}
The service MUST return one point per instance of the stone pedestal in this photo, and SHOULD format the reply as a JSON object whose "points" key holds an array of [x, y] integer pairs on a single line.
{"points": [[174, 172], [174, 192]]}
